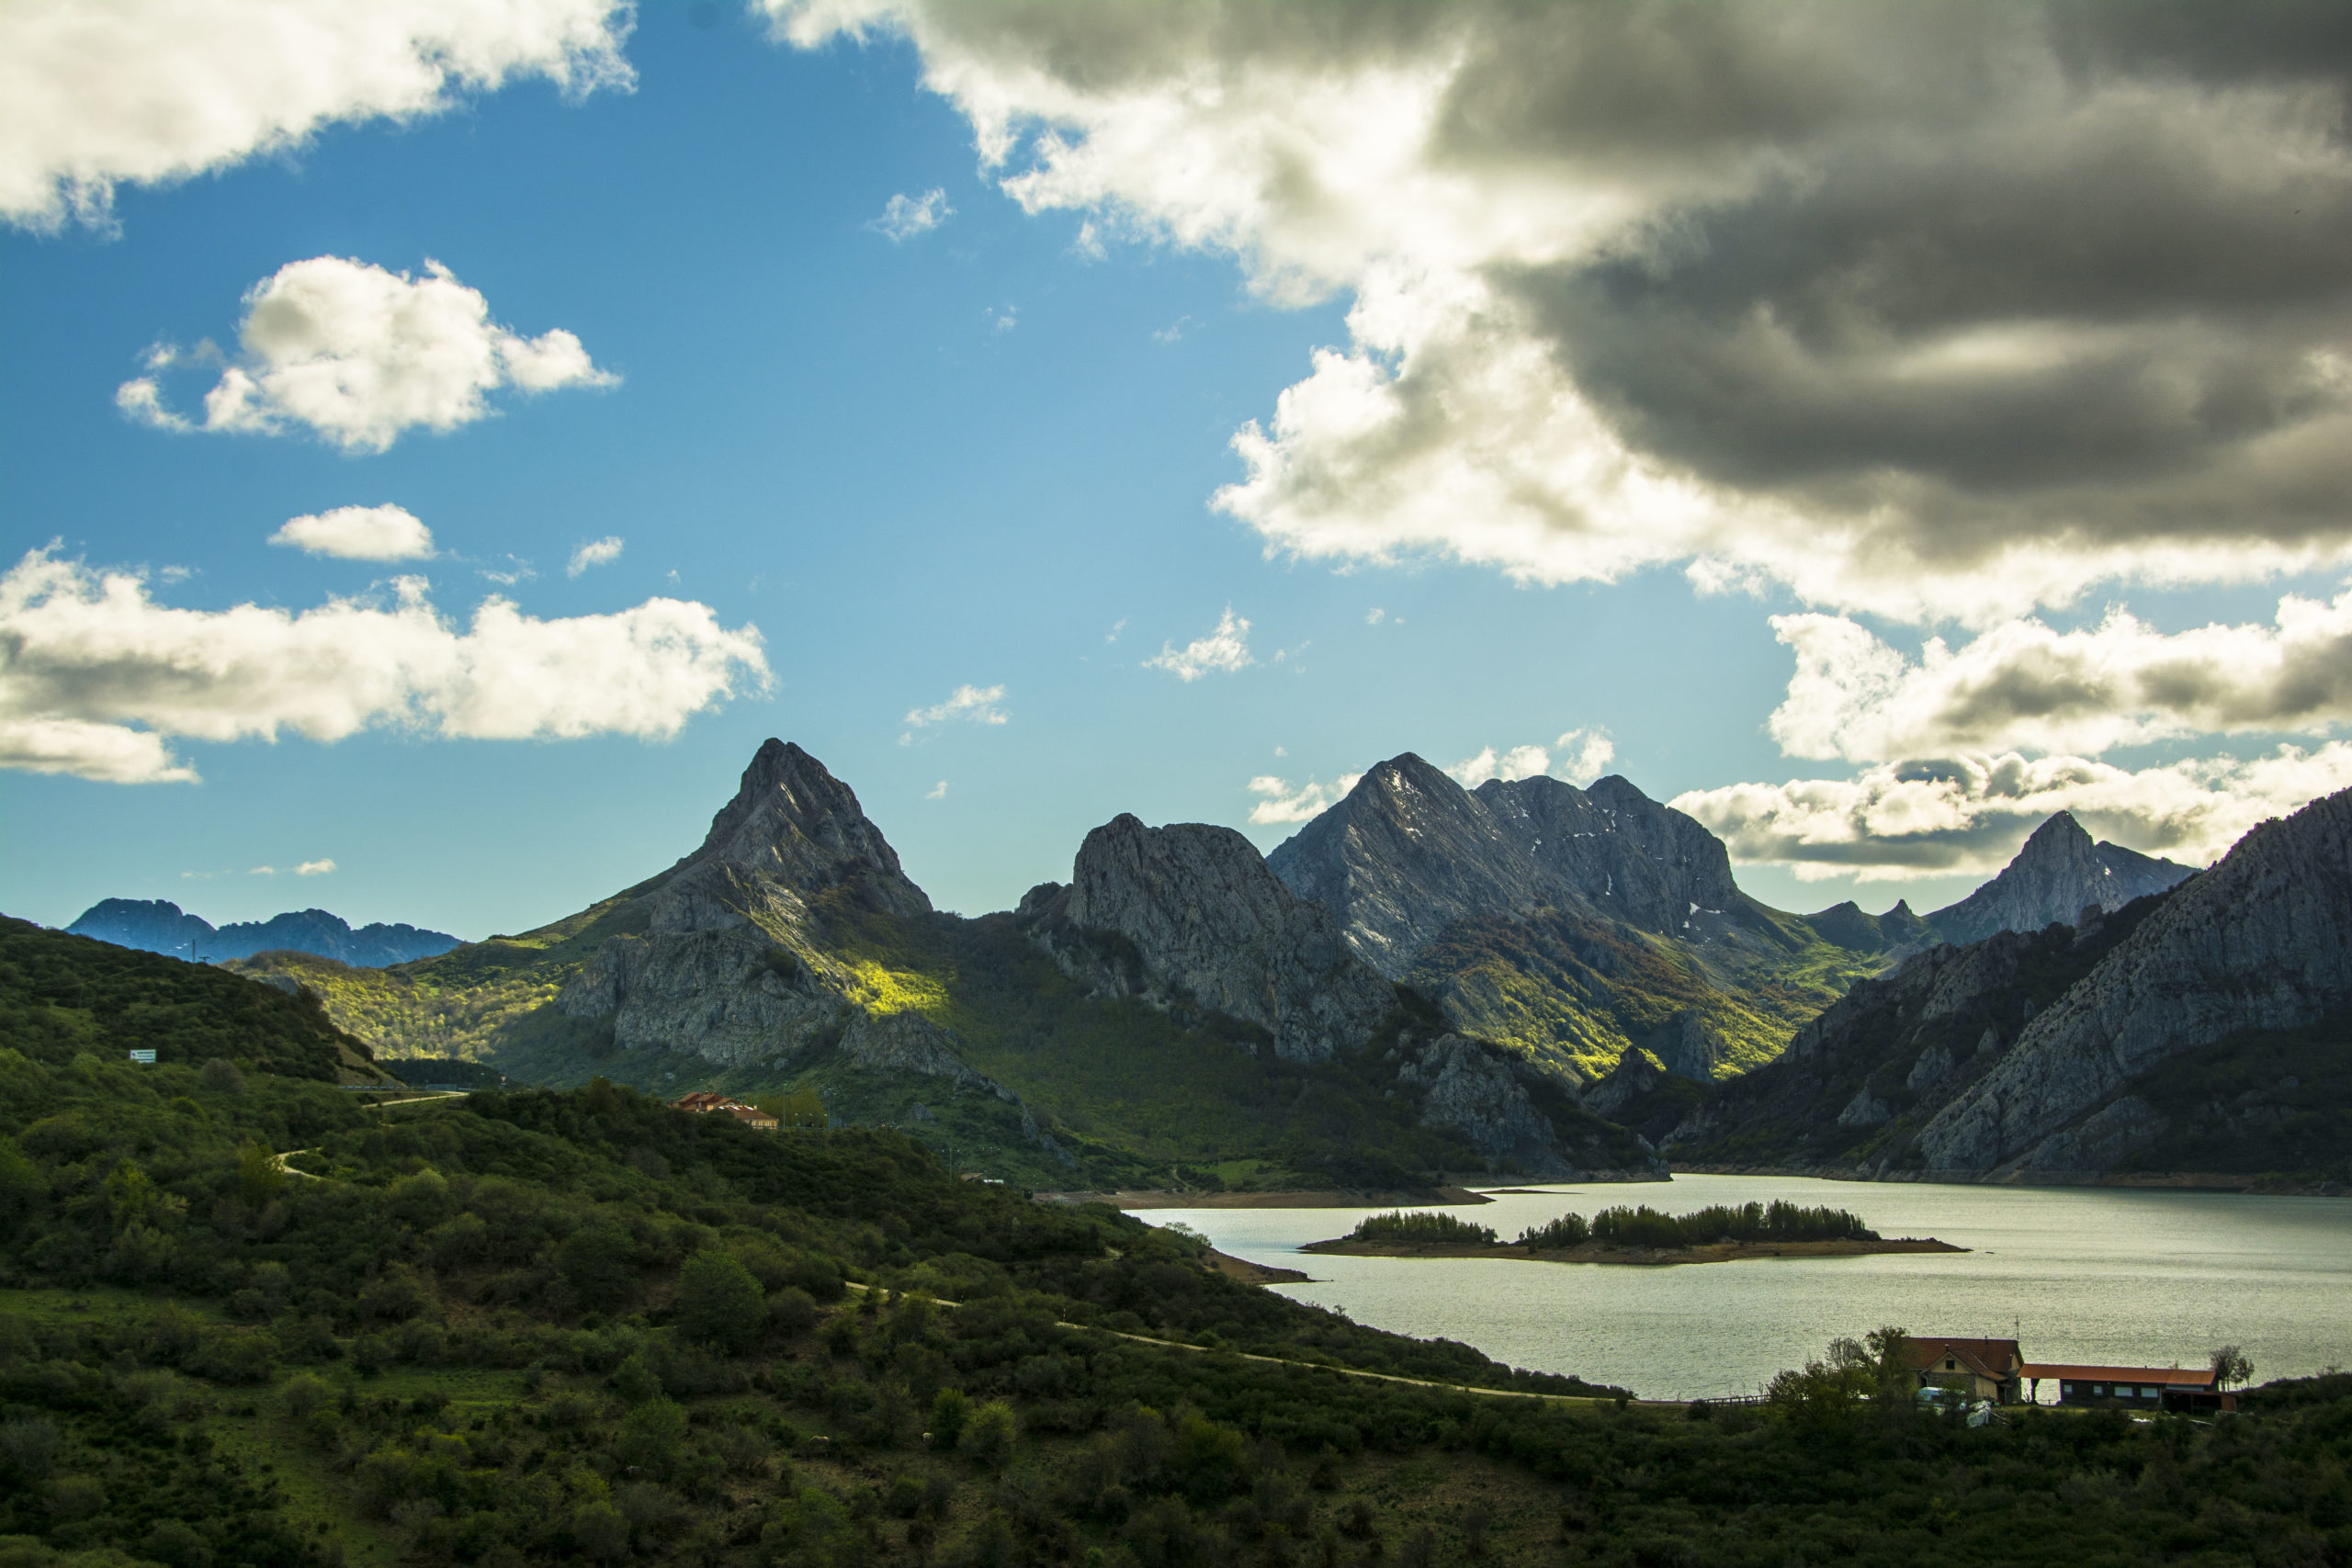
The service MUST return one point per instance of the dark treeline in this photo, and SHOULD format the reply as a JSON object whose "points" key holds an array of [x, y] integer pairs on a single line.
{"points": [[1422, 1225], [1644, 1226]]}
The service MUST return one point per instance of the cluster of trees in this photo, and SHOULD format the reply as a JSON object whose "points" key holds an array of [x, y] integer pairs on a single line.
{"points": [[1646, 1227], [1422, 1225]]}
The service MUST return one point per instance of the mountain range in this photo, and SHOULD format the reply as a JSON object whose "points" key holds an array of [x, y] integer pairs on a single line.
{"points": [[1425, 980], [155, 925], [2201, 1031]]}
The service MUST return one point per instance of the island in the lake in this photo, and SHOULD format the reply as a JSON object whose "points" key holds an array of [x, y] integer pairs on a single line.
{"points": [[1633, 1236]]}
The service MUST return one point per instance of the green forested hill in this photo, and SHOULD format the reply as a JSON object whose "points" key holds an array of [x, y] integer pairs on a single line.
{"points": [[64, 994], [580, 1327]]}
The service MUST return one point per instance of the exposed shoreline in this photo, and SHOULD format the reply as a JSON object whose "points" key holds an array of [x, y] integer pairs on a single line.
{"points": [[1638, 1256]]}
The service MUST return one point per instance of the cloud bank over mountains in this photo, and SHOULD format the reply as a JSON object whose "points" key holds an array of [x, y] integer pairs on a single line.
{"points": [[1935, 313], [96, 94], [97, 677]]}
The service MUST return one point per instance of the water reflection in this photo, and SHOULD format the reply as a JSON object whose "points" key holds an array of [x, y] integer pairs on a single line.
{"points": [[2079, 1275]]}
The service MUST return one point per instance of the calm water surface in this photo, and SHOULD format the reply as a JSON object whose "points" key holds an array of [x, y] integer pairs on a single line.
{"points": [[2080, 1275]]}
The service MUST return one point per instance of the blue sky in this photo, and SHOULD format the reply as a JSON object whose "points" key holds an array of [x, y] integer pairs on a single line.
{"points": [[988, 455]]}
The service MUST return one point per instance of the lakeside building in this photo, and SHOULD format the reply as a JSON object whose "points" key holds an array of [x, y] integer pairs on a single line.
{"points": [[704, 1101], [2133, 1388], [1982, 1369]]}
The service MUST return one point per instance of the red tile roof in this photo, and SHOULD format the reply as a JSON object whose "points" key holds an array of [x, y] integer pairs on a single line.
{"points": [[2171, 1377]]}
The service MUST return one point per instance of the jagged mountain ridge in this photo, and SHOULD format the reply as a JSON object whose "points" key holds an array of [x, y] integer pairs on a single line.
{"points": [[2207, 1027], [156, 925], [1576, 924], [790, 942], [2056, 873]]}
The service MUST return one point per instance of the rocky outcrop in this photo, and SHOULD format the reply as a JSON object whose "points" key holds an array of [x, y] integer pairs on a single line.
{"points": [[1877, 1064], [1494, 1100], [158, 926], [1408, 853], [724, 962], [2057, 873], [791, 824], [1196, 920], [2261, 941]]}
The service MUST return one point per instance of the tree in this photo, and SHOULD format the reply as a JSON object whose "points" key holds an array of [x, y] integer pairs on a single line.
{"points": [[259, 1176], [986, 1439], [2232, 1366], [719, 1301]]}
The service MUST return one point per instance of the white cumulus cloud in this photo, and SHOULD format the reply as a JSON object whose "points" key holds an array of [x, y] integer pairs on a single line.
{"points": [[595, 552], [2025, 686], [359, 355], [99, 93], [314, 868], [937, 791], [1225, 648], [359, 533], [1968, 814], [1279, 802], [95, 676], [904, 216]]}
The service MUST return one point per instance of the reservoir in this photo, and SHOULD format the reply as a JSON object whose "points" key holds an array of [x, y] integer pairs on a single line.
{"points": [[2105, 1276]]}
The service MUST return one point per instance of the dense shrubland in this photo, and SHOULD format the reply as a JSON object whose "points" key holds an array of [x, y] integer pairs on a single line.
{"points": [[583, 1328]]}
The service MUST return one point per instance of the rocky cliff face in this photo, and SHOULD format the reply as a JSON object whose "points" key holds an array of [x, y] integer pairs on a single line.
{"points": [[2057, 873], [724, 960], [1409, 852], [157, 926], [2261, 941], [1858, 1082], [1208, 925]]}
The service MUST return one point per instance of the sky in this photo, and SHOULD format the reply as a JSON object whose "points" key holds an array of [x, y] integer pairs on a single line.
{"points": [[441, 440]]}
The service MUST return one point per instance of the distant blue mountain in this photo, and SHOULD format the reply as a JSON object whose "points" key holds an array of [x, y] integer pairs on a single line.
{"points": [[156, 926]]}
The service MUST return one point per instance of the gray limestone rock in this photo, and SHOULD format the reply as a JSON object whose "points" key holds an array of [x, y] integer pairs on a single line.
{"points": [[2058, 875], [1207, 923], [1408, 853], [2262, 941], [722, 965], [1865, 1110]]}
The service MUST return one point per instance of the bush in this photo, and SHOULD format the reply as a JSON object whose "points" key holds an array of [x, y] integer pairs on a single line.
{"points": [[719, 1301], [305, 1394], [791, 1313], [986, 1437]]}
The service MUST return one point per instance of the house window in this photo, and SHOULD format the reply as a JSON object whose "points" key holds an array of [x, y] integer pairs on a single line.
{"points": [[2065, 1391], [2150, 1393], [2098, 1388]]}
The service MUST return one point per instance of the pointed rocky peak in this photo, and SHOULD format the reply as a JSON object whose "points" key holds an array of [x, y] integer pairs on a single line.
{"points": [[793, 820], [2057, 871], [1212, 924], [1408, 852]]}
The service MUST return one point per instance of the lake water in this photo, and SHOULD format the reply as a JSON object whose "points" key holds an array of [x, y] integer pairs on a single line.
{"points": [[2098, 1275]]}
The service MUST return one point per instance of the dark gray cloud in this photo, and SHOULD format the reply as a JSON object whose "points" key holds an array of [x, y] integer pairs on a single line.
{"points": [[2012, 296]]}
